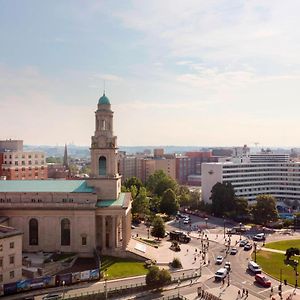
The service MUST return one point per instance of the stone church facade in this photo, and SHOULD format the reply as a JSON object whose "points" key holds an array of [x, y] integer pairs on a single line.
{"points": [[74, 215]]}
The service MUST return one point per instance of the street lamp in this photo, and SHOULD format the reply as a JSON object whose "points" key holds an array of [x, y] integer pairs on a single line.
{"points": [[63, 284], [255, 245], [105, 284], [178, 282], [206, 219], [224, 227], [296, 262], [241, 231]]}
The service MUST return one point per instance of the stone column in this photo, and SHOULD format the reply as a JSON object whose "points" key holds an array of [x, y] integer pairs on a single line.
{"points": [[103, 235], [113, 232], [124, 234]]}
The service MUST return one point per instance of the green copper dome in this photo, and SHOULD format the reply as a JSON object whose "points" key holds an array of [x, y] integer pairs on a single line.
{"points": [[103, 100]]}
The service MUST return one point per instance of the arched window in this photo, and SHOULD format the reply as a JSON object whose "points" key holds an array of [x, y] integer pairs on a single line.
{"points": [[65, 232], [102, 165], [33, 232]]}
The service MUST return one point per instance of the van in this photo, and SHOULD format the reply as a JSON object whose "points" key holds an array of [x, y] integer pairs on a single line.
{"points": [[221, 274], [254, 267]]}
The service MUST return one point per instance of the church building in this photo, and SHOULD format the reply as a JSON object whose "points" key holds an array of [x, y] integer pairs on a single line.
{"points": [[74, 215]]}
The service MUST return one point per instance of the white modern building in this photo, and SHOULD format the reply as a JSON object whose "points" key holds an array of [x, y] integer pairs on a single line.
{"points": [[253, 175]]}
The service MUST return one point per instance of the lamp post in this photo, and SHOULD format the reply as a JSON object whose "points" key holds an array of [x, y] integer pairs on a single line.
{"points": [[241, 231], [255, 245], [206, 219], [224, 227], [105, 284], [296, 262], [178, 282], [63, 285]]}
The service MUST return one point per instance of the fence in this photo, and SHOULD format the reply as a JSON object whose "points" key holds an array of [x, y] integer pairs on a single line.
{"points": [[125, 290]]}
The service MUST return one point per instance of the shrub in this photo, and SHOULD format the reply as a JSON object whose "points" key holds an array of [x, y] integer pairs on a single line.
{"points": [[176, 263]]}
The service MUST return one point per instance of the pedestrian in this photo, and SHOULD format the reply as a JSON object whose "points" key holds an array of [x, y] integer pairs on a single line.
{"points": [[195, 259], [243, 292], [196, 250], [239, 294], [246, 293], [223, 281]]}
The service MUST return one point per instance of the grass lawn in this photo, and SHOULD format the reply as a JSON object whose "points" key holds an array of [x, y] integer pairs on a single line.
{"points": [[151, 242], [283, 245], [271, 263], [122, 267]]}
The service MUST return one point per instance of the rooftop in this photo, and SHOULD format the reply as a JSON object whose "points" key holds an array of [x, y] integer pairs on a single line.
{"points": [[123, 201], [6, 231], [44, 186]]}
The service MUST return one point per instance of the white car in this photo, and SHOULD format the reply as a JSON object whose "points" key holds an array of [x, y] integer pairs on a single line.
{"points": [[228, 266], [219, 260], [234, 251], [186, 221], [221, 274]]}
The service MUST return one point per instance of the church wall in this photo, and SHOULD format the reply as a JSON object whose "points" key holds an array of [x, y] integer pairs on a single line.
{"points": [[106, 188], [82, 224]]}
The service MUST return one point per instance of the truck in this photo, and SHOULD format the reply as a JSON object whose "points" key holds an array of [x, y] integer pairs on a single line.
{"points": [[179, 236]]}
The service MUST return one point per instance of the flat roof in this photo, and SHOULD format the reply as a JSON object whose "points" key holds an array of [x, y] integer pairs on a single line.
{"points": [[43, 186], [122, 201], [6, 231]]}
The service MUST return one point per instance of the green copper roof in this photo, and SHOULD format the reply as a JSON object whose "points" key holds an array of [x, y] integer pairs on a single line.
{"points": [[40, 186], [116, 202], [103, 100]]}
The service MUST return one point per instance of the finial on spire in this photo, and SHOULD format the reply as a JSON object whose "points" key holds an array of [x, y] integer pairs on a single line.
{"points": [[103, 87]]}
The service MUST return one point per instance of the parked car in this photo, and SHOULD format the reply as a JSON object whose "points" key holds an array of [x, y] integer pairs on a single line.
{"points": [[248, 247], [52, 297], [221, 274], [263, 280], [219, 260], [233, 251]]}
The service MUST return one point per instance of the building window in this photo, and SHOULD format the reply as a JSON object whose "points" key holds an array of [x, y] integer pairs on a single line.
{"points": [[11, 244], [102, 165], [65, 232], [33, 232], [1, 277], [1, 246], [12, 259], [11, 274], [83, 240], [23, 162], [16, 163], [1, 261], [29, 156]]}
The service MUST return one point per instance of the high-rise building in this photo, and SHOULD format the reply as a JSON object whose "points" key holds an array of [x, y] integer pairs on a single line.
{"points": [[16, 164]]}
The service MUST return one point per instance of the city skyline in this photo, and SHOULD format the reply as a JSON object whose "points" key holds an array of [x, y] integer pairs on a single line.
{"points": [[213, 73]]}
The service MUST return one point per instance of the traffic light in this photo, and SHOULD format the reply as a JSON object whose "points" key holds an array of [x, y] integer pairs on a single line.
{"points": [[285, 282]]}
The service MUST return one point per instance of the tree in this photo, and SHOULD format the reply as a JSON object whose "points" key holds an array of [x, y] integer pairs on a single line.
{"points": [[169, 203], [157, 278], [158, 227], [133, 181], [176, 263], [183, 195], [241, 206], [140, 205], [222, 197], [159, 182], [265, 209], [291, 252]]}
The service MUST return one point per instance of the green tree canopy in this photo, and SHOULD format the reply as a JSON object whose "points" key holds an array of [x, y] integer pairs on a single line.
{"points": [[223, 198], [169, 203], [157, 278], [265, 209], [140, 204], [241, 206], [133, 181], [160, 182], [158, 227]]}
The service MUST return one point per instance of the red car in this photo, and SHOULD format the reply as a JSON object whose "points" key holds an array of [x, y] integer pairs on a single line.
{"points": [[262, 280]]}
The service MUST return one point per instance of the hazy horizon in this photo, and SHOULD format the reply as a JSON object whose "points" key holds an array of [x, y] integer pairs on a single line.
{"points": [[219, 72]]}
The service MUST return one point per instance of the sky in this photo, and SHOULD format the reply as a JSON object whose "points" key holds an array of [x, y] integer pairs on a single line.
{"points": [[189, 72]]}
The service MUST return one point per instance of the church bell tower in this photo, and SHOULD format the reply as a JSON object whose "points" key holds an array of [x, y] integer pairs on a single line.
{"points": [[104, 165]]}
